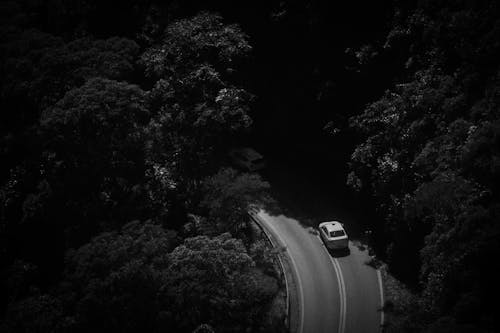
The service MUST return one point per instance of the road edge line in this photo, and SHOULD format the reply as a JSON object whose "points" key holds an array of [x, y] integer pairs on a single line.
{"points": [[381, 290], [263, 225]]}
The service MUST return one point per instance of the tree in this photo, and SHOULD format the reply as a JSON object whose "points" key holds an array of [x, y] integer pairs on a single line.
{"points": [[70, 65], [38, 69], [196, 108], [228, 197], [94, 155], [89, 152], [428, 157], [135, 279], [214, 281], [191, 42], [197, 134], [43, 313], [114, 282]]}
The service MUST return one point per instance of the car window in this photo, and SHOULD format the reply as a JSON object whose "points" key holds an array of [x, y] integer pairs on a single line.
{"points": [[337, 233], [324, 230]]}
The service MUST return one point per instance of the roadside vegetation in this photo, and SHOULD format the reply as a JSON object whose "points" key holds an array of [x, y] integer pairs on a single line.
{"points": [[116, 213], [429, 157]]}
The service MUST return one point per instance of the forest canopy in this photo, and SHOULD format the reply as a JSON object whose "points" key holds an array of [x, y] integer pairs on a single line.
{"points": [[112, 149], [430, 158], [119, 210]]}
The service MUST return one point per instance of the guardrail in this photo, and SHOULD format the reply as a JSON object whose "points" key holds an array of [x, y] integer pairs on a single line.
{"points": [[253, 216]]}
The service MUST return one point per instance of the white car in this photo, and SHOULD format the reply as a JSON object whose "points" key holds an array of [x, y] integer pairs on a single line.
{"points": [[247, 159], [334, 235]]}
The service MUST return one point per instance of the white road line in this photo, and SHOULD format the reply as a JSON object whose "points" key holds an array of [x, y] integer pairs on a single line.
{"points": [[344, 295], [342, 292], [299, 282], [381, 290], [341, 297]]}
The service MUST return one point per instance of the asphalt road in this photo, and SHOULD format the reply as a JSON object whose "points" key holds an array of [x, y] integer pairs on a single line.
{"points": [[335, 293]]}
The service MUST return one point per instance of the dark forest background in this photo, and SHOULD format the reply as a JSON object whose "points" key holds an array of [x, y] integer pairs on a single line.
{"points": [[118, 211]]}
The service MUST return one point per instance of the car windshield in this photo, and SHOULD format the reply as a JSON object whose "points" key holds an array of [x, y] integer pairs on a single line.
{"points": [[337, 233]]}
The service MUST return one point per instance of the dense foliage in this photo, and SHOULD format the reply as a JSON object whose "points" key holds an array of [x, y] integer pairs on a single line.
{"points": [[118, 213], [112, 150], [430, 159]]}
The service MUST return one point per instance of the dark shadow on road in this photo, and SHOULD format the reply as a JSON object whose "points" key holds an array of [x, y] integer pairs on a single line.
{"points": [[340, 253]]}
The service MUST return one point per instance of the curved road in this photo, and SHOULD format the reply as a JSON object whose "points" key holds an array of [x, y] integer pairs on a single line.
{"points": [[335, 294]]}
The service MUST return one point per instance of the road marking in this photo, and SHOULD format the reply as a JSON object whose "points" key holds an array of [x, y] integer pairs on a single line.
{"points": [[299, 281], [381, 290], [342, 293], [343, 297]]}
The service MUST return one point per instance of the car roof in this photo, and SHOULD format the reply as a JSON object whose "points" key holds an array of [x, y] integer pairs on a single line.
{"points": [[331, 225]]}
